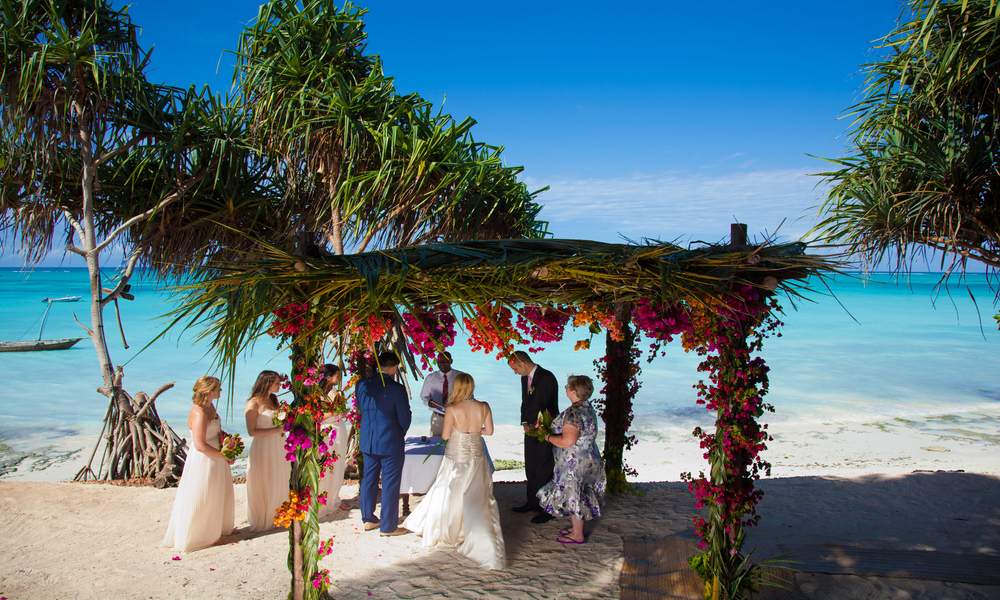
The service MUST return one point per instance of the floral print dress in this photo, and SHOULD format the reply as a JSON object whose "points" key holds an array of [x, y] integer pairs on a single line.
{"points": [[578, 482]]}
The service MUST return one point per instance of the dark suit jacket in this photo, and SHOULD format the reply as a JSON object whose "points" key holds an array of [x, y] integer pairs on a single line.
{"points": [[544, 395], [385, 415]]}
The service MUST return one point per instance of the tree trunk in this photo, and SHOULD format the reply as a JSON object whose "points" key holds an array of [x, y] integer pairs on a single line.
{"points": [[97, 336], [135, 447], [617, 413]]}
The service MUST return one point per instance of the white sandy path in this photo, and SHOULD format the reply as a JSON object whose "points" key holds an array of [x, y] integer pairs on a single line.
{"points": [[95, 541]]}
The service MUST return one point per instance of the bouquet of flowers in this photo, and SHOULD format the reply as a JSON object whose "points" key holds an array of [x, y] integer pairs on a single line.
{"points": [[281, 414], [542, 427], [232, 446]]}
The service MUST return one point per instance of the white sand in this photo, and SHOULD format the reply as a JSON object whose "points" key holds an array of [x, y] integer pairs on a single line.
{"points": [[97, 541]]}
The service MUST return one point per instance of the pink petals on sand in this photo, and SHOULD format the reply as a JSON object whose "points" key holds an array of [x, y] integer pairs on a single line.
{"points": [[175, 557]]}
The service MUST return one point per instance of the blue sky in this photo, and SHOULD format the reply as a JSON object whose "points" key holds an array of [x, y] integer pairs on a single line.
{"points": [[658, 119]]}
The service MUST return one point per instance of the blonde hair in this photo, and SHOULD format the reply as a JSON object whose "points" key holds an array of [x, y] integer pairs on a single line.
{"points": [[582, 385], [461, 390], [205, 385]]}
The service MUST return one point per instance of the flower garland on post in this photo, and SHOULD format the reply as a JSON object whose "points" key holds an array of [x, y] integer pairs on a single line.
{"points": [[727, 336], [619, 370], [309, 447]]}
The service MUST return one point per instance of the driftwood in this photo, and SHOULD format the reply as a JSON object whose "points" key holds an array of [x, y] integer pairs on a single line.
{"points": [[137, 442]]}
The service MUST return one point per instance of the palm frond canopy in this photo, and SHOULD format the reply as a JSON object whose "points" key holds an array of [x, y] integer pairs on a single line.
{"points": [[233, 303]]}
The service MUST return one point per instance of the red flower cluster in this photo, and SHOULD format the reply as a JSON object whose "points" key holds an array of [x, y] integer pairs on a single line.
{"points": [[321, 579], [290, 320], [372, 329], [429, 332], [325, 548], [543, 324], [491, 330], [660, 323]]}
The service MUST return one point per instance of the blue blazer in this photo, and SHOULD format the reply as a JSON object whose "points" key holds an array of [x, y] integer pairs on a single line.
{"points": [[385, 415]]}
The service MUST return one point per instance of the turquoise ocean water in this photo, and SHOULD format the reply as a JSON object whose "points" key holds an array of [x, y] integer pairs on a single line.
{"points": [[909, 352]]}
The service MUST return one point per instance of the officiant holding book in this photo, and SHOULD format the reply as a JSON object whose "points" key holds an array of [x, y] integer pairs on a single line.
{"points": [[437, 386]]}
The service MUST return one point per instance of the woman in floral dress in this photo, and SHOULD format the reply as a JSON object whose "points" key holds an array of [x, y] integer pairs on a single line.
{"points": [[578, 482]]}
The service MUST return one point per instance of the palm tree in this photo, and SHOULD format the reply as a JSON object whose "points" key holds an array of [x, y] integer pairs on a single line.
{"points": [[924, 175], [366, 165], [92, 154]]}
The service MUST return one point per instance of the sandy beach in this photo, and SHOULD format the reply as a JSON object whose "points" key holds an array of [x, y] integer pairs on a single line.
{"points": [[99, 541], [870, 507], [884, 486]]}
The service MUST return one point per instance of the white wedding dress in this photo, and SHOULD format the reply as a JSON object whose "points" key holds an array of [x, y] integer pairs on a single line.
{"points": [[267, 475], [204, 507], [459, 510]]}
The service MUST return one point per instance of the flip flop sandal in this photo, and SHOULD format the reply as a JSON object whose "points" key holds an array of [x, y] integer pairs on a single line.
{"points": [[562, 539], [565, 531]]}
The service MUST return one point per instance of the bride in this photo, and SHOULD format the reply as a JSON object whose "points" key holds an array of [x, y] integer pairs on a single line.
{"points": [[459, 509]]}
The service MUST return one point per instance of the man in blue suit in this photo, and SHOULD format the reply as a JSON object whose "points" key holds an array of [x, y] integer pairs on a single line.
{"points": [[385, 417]]}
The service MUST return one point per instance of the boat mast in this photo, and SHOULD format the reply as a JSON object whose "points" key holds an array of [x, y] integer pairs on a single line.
{"points": [[45, 316]]}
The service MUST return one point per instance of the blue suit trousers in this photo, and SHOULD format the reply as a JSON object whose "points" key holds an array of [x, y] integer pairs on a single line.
{"points": [[390, 467]]}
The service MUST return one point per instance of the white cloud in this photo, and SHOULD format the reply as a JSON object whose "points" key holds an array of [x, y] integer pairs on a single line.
{"points": [[683, 206]]}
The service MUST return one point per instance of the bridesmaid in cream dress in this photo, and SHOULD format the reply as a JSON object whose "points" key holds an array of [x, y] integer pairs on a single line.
{"points": [[203, 509], [267, 471], [333, 480], [459, 510]]}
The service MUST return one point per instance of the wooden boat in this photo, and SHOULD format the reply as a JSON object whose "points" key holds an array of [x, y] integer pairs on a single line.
{"points": [[40, 344], [32, 345]]}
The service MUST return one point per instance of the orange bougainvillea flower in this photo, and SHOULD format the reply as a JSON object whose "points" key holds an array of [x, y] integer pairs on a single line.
{"points": [[294, 509]]}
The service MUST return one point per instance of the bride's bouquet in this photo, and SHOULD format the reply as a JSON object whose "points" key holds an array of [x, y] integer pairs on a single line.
{"points": [[543, 426], [232, 446]]}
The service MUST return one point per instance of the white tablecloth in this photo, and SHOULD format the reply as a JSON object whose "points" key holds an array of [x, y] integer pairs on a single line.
{"points": [[422, 461]]}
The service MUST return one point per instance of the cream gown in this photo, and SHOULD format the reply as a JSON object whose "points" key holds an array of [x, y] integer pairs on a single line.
{"points": [[267, 475], [204, 505], [459, 509], [334, 478]]}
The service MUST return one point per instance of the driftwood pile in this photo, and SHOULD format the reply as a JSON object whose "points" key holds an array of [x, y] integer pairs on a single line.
{"points": [[138, 444]]}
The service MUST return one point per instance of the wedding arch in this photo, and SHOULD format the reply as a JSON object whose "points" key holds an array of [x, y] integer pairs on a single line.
{"points": [[721, 300]]}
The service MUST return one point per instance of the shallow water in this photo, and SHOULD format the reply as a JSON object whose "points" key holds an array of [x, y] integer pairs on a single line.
{"points": [[905, 356]]}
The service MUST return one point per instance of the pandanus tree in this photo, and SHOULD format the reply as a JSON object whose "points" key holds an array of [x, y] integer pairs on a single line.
{"points": [[924, 173], [77, 111], [93, 156], [366, 165]]}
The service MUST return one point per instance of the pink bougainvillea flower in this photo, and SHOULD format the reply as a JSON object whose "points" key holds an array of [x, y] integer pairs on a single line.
{"points": [[175, 557]]}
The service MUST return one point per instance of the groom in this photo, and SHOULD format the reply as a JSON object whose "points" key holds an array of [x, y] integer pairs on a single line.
{"points": [[385, 417], [539, 391]]}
